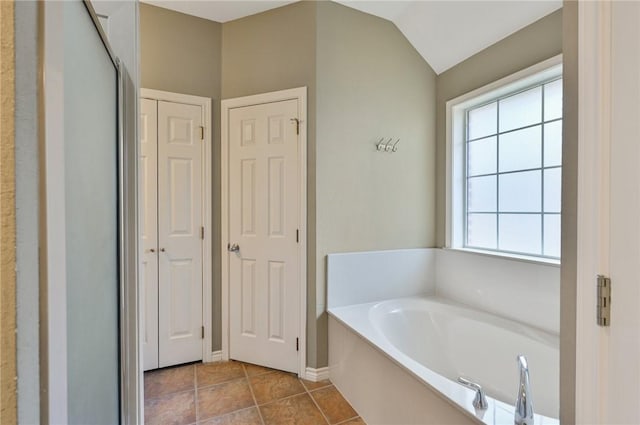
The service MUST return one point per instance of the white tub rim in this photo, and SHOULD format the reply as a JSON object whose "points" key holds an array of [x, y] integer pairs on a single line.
{"points": [[455, 394]]}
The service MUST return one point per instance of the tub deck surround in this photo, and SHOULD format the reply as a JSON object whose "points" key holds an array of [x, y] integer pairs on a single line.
{"points": [[373, 318], [520, 290], [379, 275], [488, 283]]}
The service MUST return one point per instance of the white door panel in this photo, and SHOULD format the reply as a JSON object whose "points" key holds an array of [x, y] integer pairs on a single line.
{"points": [[263, 221], [149, 231], [179, 227]]}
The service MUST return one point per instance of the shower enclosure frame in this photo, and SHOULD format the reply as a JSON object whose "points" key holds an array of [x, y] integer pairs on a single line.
{"points": [[53, 278]]}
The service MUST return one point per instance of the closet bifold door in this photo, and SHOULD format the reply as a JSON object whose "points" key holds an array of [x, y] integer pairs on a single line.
{"points": [[170, 221], [91, 219], [179, 239], [148, 202]]}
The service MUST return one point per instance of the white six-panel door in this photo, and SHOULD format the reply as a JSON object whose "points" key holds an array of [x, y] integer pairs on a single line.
{"points": [[171, 204], [179, 233], [148, 202], [263, 222]]}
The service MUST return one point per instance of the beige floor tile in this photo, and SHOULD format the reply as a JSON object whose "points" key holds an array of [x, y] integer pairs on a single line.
{"points": [[224, 398], [248, 416], [298, 410], [315, 385], [166, 381], [217, 373], [333, 405], [274, 386], [172, 409]]}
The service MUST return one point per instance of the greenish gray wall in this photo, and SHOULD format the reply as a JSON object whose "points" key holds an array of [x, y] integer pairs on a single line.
{"points": [[271, 51], [539, 41], [568, 271], [371, 83], [179, 53], [182, 54]]}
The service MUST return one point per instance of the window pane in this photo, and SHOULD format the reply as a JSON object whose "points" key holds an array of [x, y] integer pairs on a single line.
{"points": [[481, 194], [481, 231], [520, 192], [552, 235], [521, 149], [482, 121], [552, 189], [520, 233], [482, 156], [521, 109], [553, 100], [553, 144]]}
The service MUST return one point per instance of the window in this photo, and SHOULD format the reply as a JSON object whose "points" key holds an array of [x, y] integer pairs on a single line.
{"points": [[508, 153]]}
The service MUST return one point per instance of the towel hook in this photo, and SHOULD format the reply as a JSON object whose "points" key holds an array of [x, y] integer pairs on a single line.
{"points": [[387, 146], [395, 146]]}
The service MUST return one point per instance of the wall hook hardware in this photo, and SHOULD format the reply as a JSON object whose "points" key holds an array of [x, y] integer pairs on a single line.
{"points": [[381, 146], [387, 146]]}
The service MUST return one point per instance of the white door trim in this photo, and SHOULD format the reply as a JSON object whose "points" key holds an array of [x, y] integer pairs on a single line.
{"points": [[593, 202], [207, 205], [301, 95]]}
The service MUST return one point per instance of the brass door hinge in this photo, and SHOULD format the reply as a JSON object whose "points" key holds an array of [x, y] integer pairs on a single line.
{"points": [[297, 236], [603, 308], [297, 344], [202, 232], [201, 133], [297, 124], [202, 336]]}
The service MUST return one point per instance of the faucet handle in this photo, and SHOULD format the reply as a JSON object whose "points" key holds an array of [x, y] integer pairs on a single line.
{"points": [[480, 400]]}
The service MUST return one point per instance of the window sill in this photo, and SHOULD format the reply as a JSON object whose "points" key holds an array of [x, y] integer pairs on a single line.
{"points": [[515, 257]]}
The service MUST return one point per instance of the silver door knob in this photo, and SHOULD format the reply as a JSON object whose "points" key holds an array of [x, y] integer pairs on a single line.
{"points": [[233, 248], [161, 249], [152, 250]]}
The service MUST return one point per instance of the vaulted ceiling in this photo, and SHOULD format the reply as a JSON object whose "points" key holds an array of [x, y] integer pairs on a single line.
{"points": [[444, 32]]}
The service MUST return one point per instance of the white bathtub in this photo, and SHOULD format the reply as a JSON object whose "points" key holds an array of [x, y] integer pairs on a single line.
{"points": [[433, 342]]}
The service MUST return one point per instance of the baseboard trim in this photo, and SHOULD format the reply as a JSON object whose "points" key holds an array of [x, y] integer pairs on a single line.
{"points": [[310, 374], [316, 375]]}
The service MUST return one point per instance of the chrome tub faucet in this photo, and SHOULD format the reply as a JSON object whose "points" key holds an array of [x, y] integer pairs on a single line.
{"points": [[524, 406]]}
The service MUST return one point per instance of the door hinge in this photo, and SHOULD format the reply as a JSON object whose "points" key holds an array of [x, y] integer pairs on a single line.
{"points": [[201, 133], [202, 232], [297, 124], [297, 344], [202, 336], [603, 307], [297, 236]]}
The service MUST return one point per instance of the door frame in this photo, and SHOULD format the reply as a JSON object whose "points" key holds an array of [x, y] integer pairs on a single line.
{"points": [[207, 205], [602, 87], [299, 94], [592, 205]]}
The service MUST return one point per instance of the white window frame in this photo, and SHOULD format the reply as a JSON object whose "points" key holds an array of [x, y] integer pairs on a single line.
{"points": [[455, 148]]}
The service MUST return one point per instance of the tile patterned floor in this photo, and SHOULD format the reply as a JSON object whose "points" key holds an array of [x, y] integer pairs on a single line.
{"points": [[236, 393]]}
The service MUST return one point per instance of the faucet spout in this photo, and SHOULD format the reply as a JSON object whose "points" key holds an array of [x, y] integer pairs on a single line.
{"points": [[524, 405]]}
